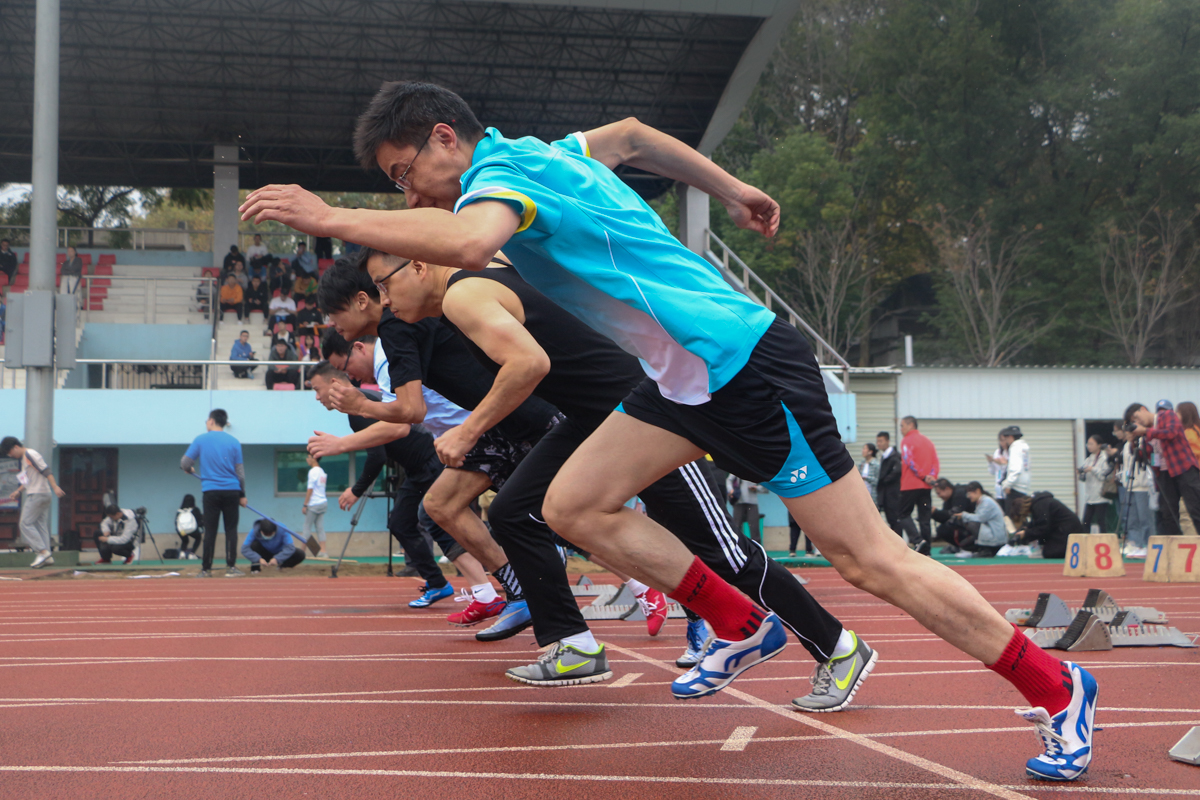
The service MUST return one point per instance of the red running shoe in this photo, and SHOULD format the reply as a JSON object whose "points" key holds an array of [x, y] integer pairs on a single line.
{"points": [[654, 606], [476, 612]]}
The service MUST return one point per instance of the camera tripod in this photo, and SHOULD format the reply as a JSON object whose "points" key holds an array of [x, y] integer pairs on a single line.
{"points": [[143, 533], [390, 481]]}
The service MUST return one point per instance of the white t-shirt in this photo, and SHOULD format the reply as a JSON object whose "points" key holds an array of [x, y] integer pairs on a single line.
{"points": [[31, 477], [316, 482], [282, 304], [256, 251]]}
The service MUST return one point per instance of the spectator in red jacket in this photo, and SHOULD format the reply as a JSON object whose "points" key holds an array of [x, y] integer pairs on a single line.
{"points": [[1176, 472], [918, 473]]}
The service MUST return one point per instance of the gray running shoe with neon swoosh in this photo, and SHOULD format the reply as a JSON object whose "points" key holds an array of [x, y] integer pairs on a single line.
{"points": [[564, 665], [836, 681]]}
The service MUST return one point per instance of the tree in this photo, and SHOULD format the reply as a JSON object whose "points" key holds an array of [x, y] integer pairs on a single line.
{"points": [[983, 283], [88, 205], [1147, 271]]}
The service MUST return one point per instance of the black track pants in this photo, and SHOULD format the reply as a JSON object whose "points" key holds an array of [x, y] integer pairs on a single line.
{"points": [[405, 525], [220, 504]]}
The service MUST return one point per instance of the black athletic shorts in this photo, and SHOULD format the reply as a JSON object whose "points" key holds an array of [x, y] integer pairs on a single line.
{"points": [[771, 424], [497, 456]]}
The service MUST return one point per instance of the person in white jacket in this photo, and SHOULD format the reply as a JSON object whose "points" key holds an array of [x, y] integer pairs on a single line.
{"points": [[1017, 476]]}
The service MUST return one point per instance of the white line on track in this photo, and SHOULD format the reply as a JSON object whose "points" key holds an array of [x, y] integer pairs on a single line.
{"points": [[738, 740], [624, 680]]}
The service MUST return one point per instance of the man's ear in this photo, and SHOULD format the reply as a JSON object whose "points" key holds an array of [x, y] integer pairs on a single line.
{"points": [[420, 268], [362, 300]]}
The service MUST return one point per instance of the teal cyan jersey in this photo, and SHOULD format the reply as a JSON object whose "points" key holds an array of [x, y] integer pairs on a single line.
{"points": [[587, 241]]}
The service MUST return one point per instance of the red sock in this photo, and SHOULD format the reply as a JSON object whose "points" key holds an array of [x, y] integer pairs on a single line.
{"points": [[732, 616], [1040, 677]]}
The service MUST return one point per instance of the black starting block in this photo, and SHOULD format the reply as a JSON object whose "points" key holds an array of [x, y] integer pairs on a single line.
{"points": [[1188, 748], [1088, 632], [1051, 612]]}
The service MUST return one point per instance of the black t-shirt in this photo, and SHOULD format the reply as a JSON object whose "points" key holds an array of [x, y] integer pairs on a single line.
{"points": [[8, 261], [431, 353], [415, 452], [589, 375]]}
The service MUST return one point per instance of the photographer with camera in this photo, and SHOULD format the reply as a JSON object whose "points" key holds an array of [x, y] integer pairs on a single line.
{"points": [[1176, 472], [266, 546], [954, 501], [118, 534]]}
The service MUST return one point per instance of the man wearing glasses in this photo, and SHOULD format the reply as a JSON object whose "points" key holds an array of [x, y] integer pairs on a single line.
{"points": [[713, 357]]}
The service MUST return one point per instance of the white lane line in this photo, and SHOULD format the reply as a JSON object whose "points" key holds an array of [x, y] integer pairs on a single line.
{"points": [[1105, 709], [380, 701], [962, 778], [624, 680], [740, 737]]}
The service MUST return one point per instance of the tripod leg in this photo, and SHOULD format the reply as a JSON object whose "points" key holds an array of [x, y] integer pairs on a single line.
{"points": [[362, 503]]}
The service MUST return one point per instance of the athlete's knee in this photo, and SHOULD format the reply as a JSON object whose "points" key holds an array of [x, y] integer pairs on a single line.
{"points": [[564, 509], [438, 507]]}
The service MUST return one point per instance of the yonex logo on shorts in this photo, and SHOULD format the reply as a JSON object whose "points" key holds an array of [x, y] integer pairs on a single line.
{"points": [[799, 474]]}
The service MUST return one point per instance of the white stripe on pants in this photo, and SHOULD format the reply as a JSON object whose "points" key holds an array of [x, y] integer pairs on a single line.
{"points": [[35, 521], [315, 518]]}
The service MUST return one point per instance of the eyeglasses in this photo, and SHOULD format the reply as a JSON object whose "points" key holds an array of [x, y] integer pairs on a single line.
{"points": [[381, 284], [402, 182]]}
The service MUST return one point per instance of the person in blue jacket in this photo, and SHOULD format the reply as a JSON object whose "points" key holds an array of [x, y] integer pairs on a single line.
{"points": [[265, 545], [223, 479]]}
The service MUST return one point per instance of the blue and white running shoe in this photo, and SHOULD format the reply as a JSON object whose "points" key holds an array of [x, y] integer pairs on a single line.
{"points": [[431, 596], [1067, 736], [514, 620], [723, 661], [697, 638]]}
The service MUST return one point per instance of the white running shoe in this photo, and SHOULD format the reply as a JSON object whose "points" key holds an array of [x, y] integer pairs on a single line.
{"points": [[44, 558]]}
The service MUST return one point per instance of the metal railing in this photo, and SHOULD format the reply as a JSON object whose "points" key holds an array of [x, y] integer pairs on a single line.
{"points": [[281, 243], [160, 373], [748, 281]]}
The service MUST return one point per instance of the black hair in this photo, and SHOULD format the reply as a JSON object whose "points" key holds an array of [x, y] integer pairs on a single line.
{"points": [[5, 241], [189, 501], [219, 416], [267, 527], [324, 369], [341, 283], [912, 420], [942, 483], [302, 244], [404, 112], [333, 343], [975, 486], [245, 332], [109, 510], [1132, 407], [884, 434], [7, 444], [874, 450], [315, 458], [233, 248]]}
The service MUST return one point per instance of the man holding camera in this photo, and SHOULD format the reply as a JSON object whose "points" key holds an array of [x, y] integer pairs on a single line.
{"points": [[117, 535], [1176, 471]]}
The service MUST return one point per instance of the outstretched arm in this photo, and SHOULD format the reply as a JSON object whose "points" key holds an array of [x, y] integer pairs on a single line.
{"points": [[638, 145]]}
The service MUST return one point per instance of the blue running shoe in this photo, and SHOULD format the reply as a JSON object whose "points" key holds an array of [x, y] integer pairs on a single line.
{"points": [[1067, 736], [514, 620], [431, 596], [697, 637], [723, 661]]}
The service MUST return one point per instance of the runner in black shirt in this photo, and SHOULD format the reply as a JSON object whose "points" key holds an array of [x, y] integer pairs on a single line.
{"points": [[586, 376], [413, 451]]}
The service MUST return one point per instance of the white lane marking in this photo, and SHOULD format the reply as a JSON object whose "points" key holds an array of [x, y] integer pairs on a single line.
{"points": [[624, 680], [380, 701], [962, 778], [740, 737]]}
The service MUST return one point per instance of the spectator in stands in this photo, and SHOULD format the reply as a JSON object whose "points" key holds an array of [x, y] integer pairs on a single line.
{"points": [[283, 373], [870, 470], [888, 488], [1044, 520], [919, 460], [231, 258], [37, 482], [1176, 470], [954, 501], [310, 316], [323, 247], [307, 348], [282, 334], [985, 525], [239, 272], [189, 524], [743, 496], [265, 545], [232, 297], [279, 277], [3, 313], [8, 260], [260, 258], [1092, 472], [304, 262], [1017, 477], [242, 351], [257, 297], [997, 465], [282, 309], [302, 287], [72, 272], [117, 535], [1136, 481]]}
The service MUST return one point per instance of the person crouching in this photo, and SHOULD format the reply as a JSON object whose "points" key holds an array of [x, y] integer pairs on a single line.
{"points": [[117, 535], [265, 545]]}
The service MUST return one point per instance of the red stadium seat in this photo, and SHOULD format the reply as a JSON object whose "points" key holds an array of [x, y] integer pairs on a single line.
{"points": [[323, 264], [106, 260], [284, 387], [210, 272]]}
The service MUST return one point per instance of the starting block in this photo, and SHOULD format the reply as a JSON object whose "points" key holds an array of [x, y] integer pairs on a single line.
{"points": [[1089, 632], [586, 587], [1093, 555], [1051, 612], [1187, 749], [614, 604], [1172, 559]]}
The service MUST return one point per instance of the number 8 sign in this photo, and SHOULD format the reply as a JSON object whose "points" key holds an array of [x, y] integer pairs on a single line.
{"points": [[1093, 555]]}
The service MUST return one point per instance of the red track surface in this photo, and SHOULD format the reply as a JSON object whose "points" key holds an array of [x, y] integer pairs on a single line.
{"points": [[309, 687]]}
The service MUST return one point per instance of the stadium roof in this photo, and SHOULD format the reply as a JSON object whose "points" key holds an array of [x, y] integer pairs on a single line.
{"points": [[148, 86]]}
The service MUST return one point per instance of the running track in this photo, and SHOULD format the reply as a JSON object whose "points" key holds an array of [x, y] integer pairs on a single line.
{"points": [[311, 687]]}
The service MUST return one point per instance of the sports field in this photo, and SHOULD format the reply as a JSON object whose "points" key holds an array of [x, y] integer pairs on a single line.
{"points": [[311, 687]]}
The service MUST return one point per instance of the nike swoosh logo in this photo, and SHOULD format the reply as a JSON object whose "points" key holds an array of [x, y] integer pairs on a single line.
{"points": [[558, 665], [842, 685]]}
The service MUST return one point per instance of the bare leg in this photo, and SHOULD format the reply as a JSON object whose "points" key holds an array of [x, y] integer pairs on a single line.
{"points": [[448, 503], [586, 501], [601, 563], [845, 525], [471, 569]]}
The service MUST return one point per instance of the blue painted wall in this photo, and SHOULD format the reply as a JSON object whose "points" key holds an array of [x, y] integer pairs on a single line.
{"points": [[125, 340]]}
